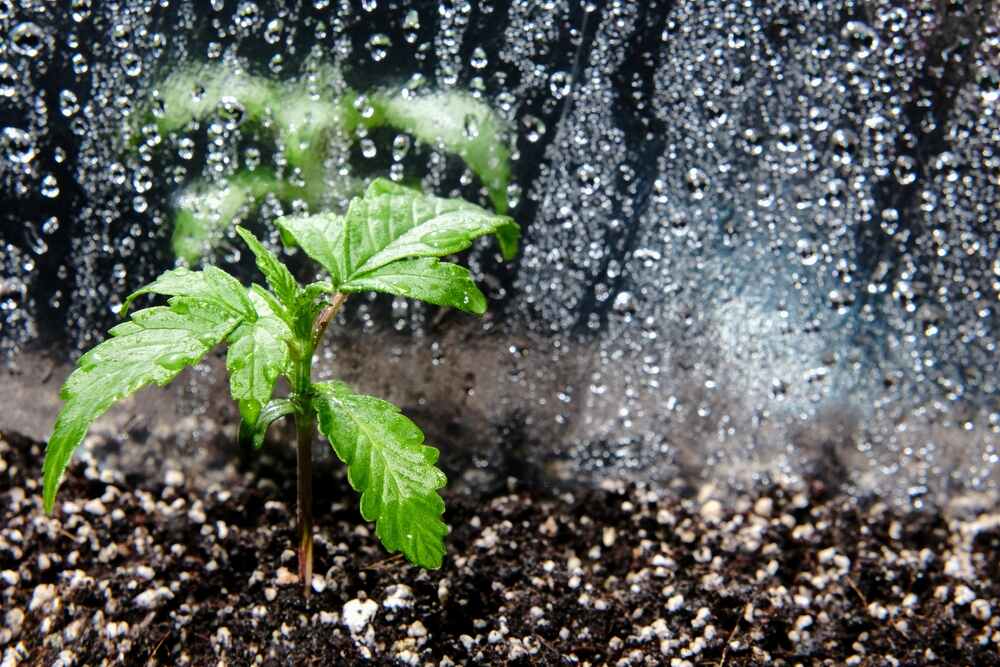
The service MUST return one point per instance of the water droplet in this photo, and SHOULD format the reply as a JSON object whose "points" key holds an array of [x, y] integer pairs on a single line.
{"points": [[185, 148], [27, 39], [132, 64], [272, 34], [806, 251], [479, 60], [368, 148], [50, 187], [697, 183], [534, 128], [117, 173], [378, 45], [18, 145], [80, 10], [231, 112], [412, 20], [247, 15], [589, 181], [844, 143], [8, 80], [142, 179], [560, 84], [35, 240], [861, 38], [369, 5], [400, 146], [80, 65], [905, 169], [68, 104]]}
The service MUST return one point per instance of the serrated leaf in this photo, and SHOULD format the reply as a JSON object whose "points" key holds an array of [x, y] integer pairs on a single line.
{"points": [[397, 223], [151, 348], [391, 223], [258, 354], [211, 285], [285, 287], [390, 466], [425, 278], [321, 237]]}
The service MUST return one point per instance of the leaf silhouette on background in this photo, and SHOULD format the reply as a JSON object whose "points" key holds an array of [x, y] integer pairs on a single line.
{"points": [[307, 118]]}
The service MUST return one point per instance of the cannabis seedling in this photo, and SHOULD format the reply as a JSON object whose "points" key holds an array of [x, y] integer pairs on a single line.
{"points": [[389, 241]]}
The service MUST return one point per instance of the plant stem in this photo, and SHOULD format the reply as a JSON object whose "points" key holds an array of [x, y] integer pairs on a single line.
{"points": [[324, 317], [304, 425]]}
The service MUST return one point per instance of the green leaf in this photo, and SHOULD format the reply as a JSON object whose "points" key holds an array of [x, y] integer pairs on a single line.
{"points": [[151, 348], [322, 237], [390, 466], [425, 278], [285, 287], [257, 430], [212, 285], [384, 226], [258, 354], [391, 223]]}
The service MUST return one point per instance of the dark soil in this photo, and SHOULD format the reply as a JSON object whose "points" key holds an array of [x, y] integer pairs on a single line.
{"points": [[136, 571]]}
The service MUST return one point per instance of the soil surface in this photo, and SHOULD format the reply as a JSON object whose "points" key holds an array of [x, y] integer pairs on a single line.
{"points": [[138, 571]]}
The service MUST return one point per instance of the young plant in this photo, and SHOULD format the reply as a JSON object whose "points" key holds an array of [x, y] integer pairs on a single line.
{"points": [[389, 241]]}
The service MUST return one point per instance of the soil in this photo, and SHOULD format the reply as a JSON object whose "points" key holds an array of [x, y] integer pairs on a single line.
{"points": [[131, 570]]}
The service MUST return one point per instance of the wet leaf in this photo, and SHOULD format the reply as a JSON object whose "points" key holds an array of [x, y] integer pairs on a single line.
{"points": [[390, 466], [151, 348]]}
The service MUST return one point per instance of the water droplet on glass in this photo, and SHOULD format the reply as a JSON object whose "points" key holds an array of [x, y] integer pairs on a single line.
{"points": [[231, 111], [117, 173], [479, 60], [132, 64], [80, 10], [860, 37], [843, 141], [368, 148], [35, 240], [185, 148], [272, 34], [534, 128], [142, 179], [18, 145], [8, 80], [378, 45], [560, 84], [80, 65], [50, 187], [400, 146], [697, 183], [905, 169], [247, 15], [27, 39], [589, 181], [68, 104], [806, 251]]}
